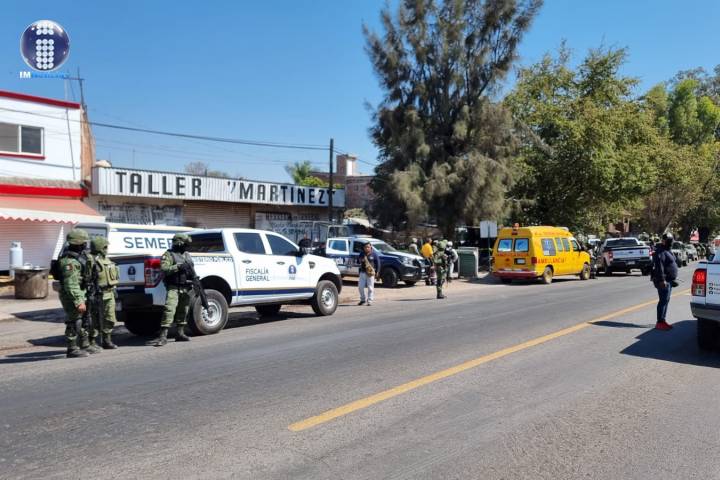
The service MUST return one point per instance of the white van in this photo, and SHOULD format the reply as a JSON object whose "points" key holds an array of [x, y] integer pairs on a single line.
{"points": [[129, 239]]}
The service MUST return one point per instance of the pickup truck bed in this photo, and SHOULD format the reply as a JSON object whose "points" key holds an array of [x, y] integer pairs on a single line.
{"points": [[705, 304]]}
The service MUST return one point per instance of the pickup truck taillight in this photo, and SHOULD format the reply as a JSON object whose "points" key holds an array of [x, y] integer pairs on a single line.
{"points": [[698, 282], [153, 273]]}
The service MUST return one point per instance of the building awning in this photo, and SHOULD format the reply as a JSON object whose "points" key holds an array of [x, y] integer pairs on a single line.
{"points": [[44, 209]]}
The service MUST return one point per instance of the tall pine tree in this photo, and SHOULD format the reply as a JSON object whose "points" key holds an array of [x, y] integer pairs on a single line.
{"points": [[445, 146]]}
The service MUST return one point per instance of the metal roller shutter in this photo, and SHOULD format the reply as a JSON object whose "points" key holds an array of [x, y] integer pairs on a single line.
{"points": [[40, 241], [216, 215]]}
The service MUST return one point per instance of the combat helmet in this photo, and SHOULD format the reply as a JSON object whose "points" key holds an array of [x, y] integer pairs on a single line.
{"points": [[99, 245], [181, 239], [77, 236]]}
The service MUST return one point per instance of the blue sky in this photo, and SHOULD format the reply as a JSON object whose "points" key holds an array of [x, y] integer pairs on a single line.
{"points": [[290, 71]]}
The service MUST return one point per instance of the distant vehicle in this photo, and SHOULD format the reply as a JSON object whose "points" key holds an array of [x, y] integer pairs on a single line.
{"points": [[692, 252], [395, 266], [705, 304], [237, 267], [681, 256], [623, 255], [538, 252]]}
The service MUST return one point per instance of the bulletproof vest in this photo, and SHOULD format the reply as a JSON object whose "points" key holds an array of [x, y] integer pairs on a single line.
{"points": [[178, 278], [82, 258], [108, 274]]}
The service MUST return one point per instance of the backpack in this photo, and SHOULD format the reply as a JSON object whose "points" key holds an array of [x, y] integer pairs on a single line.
{"points": [[55, 269]]}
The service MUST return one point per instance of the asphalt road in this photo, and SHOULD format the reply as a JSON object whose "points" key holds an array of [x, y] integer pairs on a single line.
{"points": [[498, 382]]}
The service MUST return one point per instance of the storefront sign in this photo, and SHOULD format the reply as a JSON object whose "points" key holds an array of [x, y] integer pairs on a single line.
{"points": [[142, 183]]}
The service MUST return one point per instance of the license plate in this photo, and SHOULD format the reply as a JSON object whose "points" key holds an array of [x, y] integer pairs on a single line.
{"points": [[520, 261], [631, 263]]}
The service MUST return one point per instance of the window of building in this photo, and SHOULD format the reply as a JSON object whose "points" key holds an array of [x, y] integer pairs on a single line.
{"points": [[280, 246], [548, 247], [21, 139], [206, 243], [249, 243]]}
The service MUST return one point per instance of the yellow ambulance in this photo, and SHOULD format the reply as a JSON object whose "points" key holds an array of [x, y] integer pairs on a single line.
{"points": [[538, 252]]}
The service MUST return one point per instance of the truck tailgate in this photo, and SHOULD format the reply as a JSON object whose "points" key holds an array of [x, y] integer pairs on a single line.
{"points": [[712, 292], [132, 270], [630, 252]]}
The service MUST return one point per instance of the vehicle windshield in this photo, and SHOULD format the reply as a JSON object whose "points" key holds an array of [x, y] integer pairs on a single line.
{"points": [[383, 247], [622, 242]]}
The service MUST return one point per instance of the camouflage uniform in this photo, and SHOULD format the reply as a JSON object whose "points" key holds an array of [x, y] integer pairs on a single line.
{"points": [[439, 260], [105, 272], [73, 291], [178, 284]]}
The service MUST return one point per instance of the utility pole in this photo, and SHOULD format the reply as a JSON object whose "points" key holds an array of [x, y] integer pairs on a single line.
{"points": [[330, 177], [82, 92]]}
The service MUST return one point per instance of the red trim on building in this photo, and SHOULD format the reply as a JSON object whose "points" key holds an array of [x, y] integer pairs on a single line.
{"points": [[35, 99], [22, 155], [43, 191]]}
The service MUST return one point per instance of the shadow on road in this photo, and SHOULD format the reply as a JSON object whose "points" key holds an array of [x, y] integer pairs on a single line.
{"points": [[679, 345], [51, 315], [606, 323], [32, 357]]}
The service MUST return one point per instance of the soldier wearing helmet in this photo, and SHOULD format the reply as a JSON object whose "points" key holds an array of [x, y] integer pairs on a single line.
{"points": [[176, 265], [106, 275], [73, 275], [440, 261]]}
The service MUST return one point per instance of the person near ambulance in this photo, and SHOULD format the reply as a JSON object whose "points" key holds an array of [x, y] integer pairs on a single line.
{"points": [[72, 273], [176, 265], [664, 277], [107, 275], [369, 263]]}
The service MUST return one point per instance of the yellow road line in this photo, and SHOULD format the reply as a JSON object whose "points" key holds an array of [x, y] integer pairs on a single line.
{"points": [[442, 374]]}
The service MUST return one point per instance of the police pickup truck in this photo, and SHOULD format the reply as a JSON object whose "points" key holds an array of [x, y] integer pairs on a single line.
{"points": [[705, 303], [237, 267], [623, 255], [394, 265]]}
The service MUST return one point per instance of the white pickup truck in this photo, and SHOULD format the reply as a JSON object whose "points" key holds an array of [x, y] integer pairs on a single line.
{"points": [[623, 255], [237, 267], [705, 303]]}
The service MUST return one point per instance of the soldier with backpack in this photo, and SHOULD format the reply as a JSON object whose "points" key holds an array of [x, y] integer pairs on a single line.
{"points": [[72, 271]]}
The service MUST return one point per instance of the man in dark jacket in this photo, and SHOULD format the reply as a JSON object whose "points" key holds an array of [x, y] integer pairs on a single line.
{"points": [[664, 275], [369, 263]]}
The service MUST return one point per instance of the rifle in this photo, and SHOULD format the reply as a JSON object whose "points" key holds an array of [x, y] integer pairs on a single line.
{"points": [[197, 286], [95, 308]]}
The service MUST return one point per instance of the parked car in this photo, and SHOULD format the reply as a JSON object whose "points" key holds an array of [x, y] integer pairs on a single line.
{"points": [[623, 255], [692, 252], [395, 266], [681, 256]]}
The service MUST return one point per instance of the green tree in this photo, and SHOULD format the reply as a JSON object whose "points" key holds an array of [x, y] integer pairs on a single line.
{"points": [[203, 169], [596, 141], [299, 171], [445, 146]]}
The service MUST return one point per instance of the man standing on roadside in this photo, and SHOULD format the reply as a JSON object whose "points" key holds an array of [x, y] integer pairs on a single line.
{"points": [[369, 263], [413, 247], [177, 265], [107, 276], [664, 275], [427, 249], [452, 257], [440, 260]]}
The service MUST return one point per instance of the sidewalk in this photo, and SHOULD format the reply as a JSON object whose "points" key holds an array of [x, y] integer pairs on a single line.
{"points": [[40, 323]]}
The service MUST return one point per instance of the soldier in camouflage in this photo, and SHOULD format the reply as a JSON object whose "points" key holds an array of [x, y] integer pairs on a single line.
{"points": [[439, 259], [73, 270], [106, 274], [176, 264]]}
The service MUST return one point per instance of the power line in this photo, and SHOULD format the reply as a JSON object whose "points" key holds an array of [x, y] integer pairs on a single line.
{"points": [[256, 143]]}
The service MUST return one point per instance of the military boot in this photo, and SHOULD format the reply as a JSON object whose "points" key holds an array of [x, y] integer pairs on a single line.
{"points": [[180, 335], [161, 340], [107, 343], [76, 353], [91, 347]]}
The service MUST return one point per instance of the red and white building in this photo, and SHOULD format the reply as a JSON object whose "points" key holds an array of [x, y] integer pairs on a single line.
{"points": [[46, 154]]}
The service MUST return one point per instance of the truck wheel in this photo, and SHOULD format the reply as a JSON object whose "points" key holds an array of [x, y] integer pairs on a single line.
{"points": [[708, 334], [547, 276], [207, 322], [389, 278], [585, 272], [143, 324], [325, 300], [267, 310]]}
